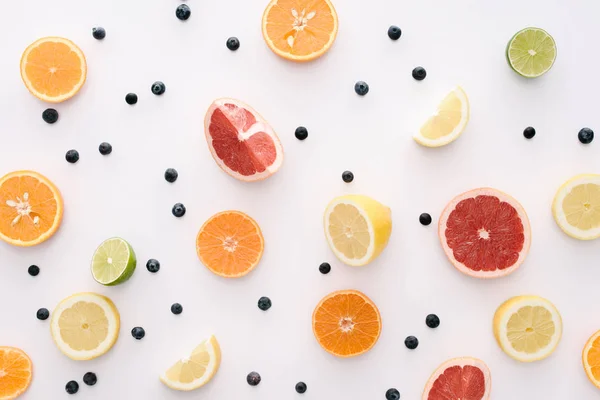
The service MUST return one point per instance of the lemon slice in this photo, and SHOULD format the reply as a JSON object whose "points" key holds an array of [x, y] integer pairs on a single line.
{"points": [[85, 325], [448, 122], [576, 207], [357, 228], [527, 328]]}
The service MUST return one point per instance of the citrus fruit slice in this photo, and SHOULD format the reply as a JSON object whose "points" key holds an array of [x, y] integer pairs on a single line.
{"points": [[16, 370], [448, 122], [357, 228], [85, 325], [113, 262], [462, 378], [531, 52], [230, 244], [527, 328], [591, 359], [242, 143], [576, 207], [485, 233], [195, 370], [53, 69], [346, 323], [31, 208], [300, 30]]}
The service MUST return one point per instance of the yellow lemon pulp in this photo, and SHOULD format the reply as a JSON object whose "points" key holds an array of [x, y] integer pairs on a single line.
{"points": [[349, 231], [582, 206], [530, 329], [83, 326], [445, 120]]}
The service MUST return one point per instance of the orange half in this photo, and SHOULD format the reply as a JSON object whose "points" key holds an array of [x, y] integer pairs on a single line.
{"points": [[230, 244], [300, 30], [591, 359], [31, 208], [16, 370], [346, 323]]}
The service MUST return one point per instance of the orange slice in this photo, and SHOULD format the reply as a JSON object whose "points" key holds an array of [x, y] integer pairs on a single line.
{"points": [[346, 323], [230, 244], [53, 69], [31, 208], [591, 359], [300, 30], [15, 372]]}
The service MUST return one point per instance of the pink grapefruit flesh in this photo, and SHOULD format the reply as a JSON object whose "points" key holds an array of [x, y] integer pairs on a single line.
{"points": [[242, 143], [485, 233], [459, 379]]}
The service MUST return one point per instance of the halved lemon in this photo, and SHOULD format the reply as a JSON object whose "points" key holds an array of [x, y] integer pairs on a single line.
{"points": [[85, 325], [576, 207], [448, 122], [591, 359], [357, 228], [195, 370], [527, 328]]}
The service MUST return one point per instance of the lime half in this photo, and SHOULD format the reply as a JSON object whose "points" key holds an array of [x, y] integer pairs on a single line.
{"points": [[531, 52], [113, 262]]}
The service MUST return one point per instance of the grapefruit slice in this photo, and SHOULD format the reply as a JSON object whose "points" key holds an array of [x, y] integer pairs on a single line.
{"points": [[242, 143], [485, 233], [462, 378]]}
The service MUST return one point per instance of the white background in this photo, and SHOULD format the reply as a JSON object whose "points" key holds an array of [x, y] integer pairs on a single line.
{"points": [[124, 194]]}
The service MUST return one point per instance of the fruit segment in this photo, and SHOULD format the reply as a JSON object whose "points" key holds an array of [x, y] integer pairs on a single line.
{"points": [[447, 123], [113, 262], [463, 378], [591, 359]]}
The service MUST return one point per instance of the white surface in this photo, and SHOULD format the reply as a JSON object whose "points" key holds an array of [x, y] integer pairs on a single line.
{"points": [[124, 194]]}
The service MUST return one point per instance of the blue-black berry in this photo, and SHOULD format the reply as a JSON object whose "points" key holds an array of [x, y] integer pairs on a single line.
{"points": [[233, 43], [43, 314], [176, 308], [138, 332], [392, 394], [158, 88], [529, 132], [264, 303], [432, 321], [253, 378], [72, 156], [361, 88], [178, 210], [325, 268], [586, 135], [394, 32], [171, 175], [347, 176], [411, 342], [301, 133], [33, 270], [419, 73], [72, 387], [98, 33], [90, 379], [425, 219], [183, 12], [50, 115], [131, 98], [153, 265], [301, 387], [105, 148]]}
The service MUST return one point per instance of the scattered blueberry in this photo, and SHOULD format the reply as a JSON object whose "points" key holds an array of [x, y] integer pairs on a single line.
{"points": [[325, 268], [178, 210], [153, 265], [264, 303], [392, 394], [529, 132], [176, 308], [105, 148], [33, 270], [411, 342], [72, 156], [171, 175], [432, 321], [98, 33], [233, 43], [361, 88], [586, 135], [347, 176], [183, 12], [419, 73], [131, 98], [138, 332], [50, 115], [253, 378], [301, 387], [425, 219], [43, 314], [90, 379], [301, 133], [394, 32], [158, 88], [72, 387]]}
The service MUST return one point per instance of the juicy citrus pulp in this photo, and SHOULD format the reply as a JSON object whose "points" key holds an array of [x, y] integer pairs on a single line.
{"points": [[85, 325], [31, 208], [357, 228], [576, 207], [230, 244], [53, 69], [459, 379], [346, 323], [113, 262], [527, 328], [531, 52], [591, 359], [195, 370], [300, 30], [16, 370], [449, 121]]}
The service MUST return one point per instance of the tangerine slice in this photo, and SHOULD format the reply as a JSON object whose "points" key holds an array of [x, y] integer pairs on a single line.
{"points": [[591, 359], [15, 372]]}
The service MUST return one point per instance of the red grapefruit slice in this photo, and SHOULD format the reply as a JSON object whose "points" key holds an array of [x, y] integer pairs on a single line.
{"points": [[463, 378], [485, 233], [242, 143]]}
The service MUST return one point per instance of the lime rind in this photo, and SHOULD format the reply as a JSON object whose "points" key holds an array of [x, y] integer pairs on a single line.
{"points": [[113, 262], [531, 52]]}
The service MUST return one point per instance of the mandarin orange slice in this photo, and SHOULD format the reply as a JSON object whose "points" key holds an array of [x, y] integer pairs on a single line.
{"points": [[16, 370], [591, 359]]}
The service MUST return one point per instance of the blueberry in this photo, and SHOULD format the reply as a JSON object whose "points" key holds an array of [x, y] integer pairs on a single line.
{"points": [[301, 387], [178, 210], [394, 32], [90, 379], [131, 98], [158, 88], [72, 387], [138, 332], [98, 33], [233, 43], [183, 12], [43, 314], [529, 132], [324, 268], [347, 176], [253, 378], [50, 115], [586, 135], [176, 308], [33, 270], [72, 156], [301, 133], [432, 321], [361, 88], [171, 175], [153, 265], [105, 148], [419, 73], [425, 219], [264, 303], [411, 342], [392, 394]]}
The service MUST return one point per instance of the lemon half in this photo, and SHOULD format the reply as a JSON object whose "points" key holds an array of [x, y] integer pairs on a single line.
{"points": [[576, 207]]}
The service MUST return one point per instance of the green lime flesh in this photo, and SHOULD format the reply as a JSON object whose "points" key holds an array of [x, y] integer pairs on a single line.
{"points": [[113, 262], [531, 52]]}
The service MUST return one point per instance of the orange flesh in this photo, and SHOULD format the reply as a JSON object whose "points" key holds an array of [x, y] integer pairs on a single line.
{"points": [[15, 372], [593, 360]]}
